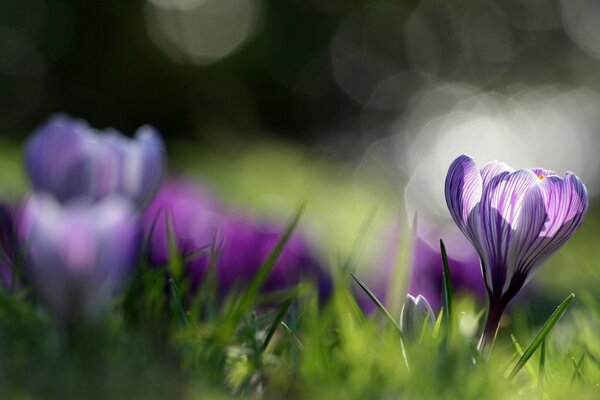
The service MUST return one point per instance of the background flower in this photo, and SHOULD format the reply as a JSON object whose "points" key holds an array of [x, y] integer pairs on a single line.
{"points": [[425, 275], [79, 255], [69, 159], [240, 244]]}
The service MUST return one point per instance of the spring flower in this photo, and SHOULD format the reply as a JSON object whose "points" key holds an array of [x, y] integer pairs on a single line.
{"points": [[415, 313], [241, 244], [515, 219], [78, 255], [68, 159]]}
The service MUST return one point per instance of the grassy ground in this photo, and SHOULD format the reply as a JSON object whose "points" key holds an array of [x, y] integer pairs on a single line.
{"points": [[157, 343]]}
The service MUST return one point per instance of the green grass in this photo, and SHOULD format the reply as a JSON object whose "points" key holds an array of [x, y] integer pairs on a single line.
{"points": [[157, 343]]}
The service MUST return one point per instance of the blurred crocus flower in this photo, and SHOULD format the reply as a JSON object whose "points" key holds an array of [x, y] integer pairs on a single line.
{"points": [[425, 272], [240, 244], [80, 254], [515, 220], [416, 312], [69, 159]]}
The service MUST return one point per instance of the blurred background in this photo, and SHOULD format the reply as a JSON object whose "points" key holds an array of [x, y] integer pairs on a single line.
{"points": [[358, 106]]}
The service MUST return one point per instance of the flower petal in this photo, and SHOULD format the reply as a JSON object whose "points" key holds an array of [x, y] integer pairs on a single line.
{"points": [[463, 192], [500, 209], [493, 169], [526, 236], [55, 158], [152, 163], [80, 254], [565, 203]]}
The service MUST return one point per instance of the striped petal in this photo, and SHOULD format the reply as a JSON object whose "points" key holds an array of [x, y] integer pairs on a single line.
{"points": [[565, 203], [463, 193], [493, 169], [526, 237], [502, 203]]}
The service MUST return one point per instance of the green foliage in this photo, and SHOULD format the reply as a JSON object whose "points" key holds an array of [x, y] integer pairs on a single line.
{"points": [[163, 340]]}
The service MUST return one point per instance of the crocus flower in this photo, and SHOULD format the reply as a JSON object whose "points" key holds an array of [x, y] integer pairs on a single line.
{"points": [[240, 244], [68, 159], [416, 312], [515, 219], [80, 254]]}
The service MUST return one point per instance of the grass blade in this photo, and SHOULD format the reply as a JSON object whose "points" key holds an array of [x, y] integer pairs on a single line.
{"points": [[448, 298], [556, 315], [477, 357], [385, 312], [540, 385], [437, 327], [520, 352], [380, 306], [175, 302], [358, 246], [287, 329], [265, 270], [278, 319], [577, 366]]}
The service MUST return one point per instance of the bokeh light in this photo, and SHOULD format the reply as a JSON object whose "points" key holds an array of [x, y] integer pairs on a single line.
{"points": [[201, 31]]}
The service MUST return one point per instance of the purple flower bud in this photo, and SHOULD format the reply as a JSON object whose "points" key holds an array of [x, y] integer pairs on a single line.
{"points": [[515, 220], [80, 254], [241, 244], [69, 159]]}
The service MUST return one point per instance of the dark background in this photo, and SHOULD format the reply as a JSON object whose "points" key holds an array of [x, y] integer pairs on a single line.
{"points": [[96, 60]]}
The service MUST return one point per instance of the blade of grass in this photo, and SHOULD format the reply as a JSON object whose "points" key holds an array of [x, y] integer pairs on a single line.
{"points": [[249, 296], [540, 385], [292, 334], [175, 264], [577, 369], [477, 357], [396, 290], [278, 320], [175, 302], [519, 350], [537, 341], [380, 306], [385, 312], [357, 248], [448, 297], [437, 327]]}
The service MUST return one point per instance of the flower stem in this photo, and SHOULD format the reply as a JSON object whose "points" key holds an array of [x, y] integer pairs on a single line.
{"points": [[491, 326]]}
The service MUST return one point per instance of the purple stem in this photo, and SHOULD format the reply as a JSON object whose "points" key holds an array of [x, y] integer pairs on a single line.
{"points": [[494, 314]]}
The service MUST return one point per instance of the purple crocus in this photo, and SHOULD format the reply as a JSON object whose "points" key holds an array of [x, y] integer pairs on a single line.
{"points": [[240, 243], [515, 219], [80, 254], [68, 159]]}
